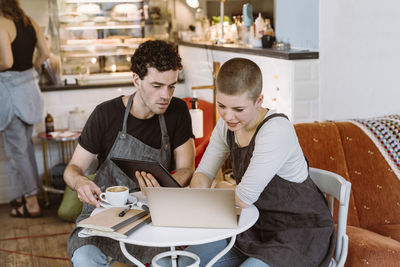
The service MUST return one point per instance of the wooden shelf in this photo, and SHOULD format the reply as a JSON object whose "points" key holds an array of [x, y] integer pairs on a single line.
{"points": [[102, 27], [97, 53], [102, 1]]}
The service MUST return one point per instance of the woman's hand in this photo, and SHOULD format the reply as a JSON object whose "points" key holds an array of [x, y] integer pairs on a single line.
{"points": [[227, 182], [224, 184]]}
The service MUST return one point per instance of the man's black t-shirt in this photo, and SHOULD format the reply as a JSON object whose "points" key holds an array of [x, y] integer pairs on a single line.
{"points": [[106, 121]]}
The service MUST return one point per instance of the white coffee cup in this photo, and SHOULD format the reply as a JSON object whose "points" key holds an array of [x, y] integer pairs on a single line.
{"points": [[115, 195]]}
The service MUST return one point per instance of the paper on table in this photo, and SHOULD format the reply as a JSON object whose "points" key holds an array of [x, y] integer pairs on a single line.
{"points": [[109, 221], [63, 134], [123, 232], [66, 134]]}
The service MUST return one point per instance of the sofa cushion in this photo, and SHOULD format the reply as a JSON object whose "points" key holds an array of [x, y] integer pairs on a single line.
{"points": [[375, 187], [367, 248], [389, 230], [322, 146]]}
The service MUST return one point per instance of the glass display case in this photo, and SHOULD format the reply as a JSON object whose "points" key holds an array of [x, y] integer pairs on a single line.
{"points": [[96, 38]]}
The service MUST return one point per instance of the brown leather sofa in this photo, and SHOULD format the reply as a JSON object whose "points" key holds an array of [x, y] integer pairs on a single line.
{"points": [[373, 224]]}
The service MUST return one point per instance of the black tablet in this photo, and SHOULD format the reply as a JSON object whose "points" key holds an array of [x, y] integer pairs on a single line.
{"points": [[129, 167]]}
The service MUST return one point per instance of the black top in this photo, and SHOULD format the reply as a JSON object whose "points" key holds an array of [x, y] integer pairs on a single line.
{"points": [[106, 121], [23, 46]]}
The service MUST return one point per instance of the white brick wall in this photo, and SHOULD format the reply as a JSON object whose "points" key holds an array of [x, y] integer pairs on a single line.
{"points": [[59, 103], [303, 110], [306, 92], [303, 70]]}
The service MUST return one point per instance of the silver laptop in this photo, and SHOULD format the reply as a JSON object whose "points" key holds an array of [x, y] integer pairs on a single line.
{"points": [[192, 207]]}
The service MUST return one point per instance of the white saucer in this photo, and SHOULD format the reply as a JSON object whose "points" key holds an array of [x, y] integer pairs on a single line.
{"points": [[131, 199]]}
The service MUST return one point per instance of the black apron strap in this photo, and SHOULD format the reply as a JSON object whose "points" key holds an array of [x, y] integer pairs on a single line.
{"points": [[127, 111], [279, 115], [164, 133], [230, 136], [268, 118]]}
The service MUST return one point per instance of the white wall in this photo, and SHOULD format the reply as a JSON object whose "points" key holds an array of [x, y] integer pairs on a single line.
{"points": [[296, 23], [359, 58]]}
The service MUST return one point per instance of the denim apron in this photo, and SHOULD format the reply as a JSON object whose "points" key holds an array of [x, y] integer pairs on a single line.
{"points": [[295, 227], [127, 147], [20, 96]]}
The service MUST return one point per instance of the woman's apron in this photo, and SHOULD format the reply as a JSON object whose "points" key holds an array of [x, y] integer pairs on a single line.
{"points": [[127, 147], [20, 96], [295, 227]]}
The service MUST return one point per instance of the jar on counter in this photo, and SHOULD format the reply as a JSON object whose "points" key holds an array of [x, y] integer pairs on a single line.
{"points": [[76, 120], [199, 24]]}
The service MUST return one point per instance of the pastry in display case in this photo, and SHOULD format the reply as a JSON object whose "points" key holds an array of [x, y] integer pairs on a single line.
{"points": [[157, 19], [98, 37]]}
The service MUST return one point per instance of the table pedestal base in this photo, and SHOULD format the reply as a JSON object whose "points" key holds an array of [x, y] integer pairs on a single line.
{"points": [[175, 253], [222, 252], [129, 256]]}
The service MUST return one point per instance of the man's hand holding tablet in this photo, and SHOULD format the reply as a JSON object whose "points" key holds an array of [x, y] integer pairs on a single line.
{"points": [[147, 173], [146, 180]]}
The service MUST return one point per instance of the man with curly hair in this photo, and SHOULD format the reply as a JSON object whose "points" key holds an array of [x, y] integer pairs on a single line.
{"points": [[150, 124]]}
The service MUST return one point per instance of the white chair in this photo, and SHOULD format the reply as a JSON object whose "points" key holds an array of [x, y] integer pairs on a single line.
{"points": [[335, 186]]}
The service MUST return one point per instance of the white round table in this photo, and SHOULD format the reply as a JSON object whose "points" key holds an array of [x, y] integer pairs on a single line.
{"points": [[156, 236]]}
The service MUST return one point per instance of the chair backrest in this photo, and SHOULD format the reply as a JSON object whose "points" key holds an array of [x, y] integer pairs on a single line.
{"points": [[335, 186]]}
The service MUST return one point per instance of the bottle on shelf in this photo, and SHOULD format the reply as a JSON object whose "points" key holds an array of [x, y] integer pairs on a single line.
{"points": [[49, 124], [247, 12], [199, 23], [268, 28], [259, 27]]}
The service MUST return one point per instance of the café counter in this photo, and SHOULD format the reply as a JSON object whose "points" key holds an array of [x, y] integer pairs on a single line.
{"points": [[49, 88], [289, 54]]}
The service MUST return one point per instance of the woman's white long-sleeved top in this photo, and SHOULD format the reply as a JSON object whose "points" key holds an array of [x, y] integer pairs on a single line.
{"points": [[276, 152]]}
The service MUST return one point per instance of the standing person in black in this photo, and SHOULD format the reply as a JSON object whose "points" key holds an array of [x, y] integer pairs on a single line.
{"points": [[149, 125], [20, 102]]}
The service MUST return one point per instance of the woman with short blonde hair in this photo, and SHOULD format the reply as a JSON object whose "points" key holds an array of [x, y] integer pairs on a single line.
{"points": [[295, 227]]}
